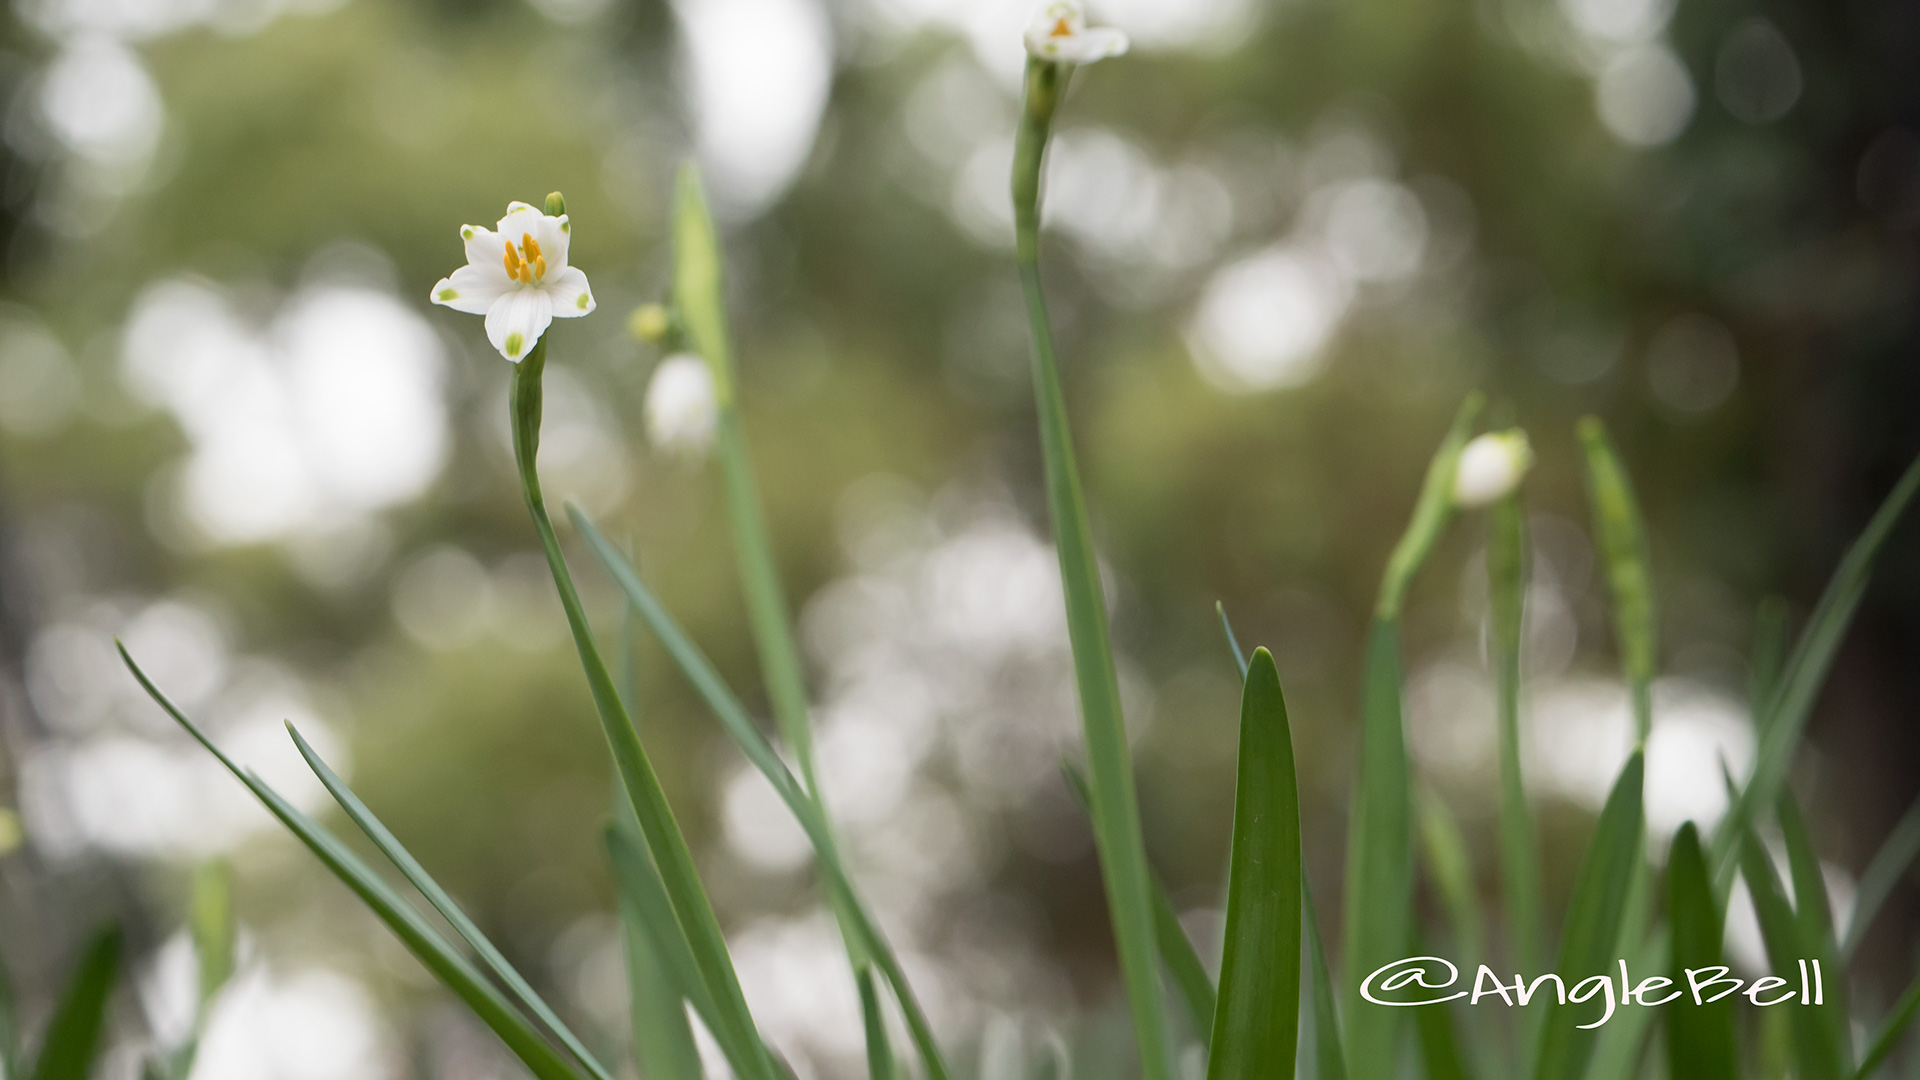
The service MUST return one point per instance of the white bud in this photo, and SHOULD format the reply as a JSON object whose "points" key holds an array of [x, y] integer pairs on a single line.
{"points": [[1060, 33], [1490, 467], [682, 409]]}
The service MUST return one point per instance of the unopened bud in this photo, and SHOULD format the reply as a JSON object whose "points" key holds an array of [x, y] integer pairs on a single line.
{"points": [[650, 323], [556, 204], [1491, 467], [682, 408]]}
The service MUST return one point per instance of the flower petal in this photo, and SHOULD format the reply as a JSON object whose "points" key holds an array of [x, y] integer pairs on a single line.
{"points": [[1101, 42], [484, 247], [572, 296], [473, 289], [517, 319], [553, 234], [521, 220]]}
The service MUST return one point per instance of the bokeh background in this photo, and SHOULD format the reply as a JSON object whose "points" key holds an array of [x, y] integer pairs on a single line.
{"points": [[1286, 239]]}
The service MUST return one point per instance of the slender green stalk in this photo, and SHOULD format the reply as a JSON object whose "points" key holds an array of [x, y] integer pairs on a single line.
{"points": [[1887, 1039], [1700, 1038], [73, 1040], [664, 839], [1123, 858], [1507, 573], [1889, 865], [1378, 927]]}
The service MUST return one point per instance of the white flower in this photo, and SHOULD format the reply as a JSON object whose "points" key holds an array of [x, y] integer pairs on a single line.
{"points": [[1060, 33], [518, 278], [682, 408], [1490, 468]]}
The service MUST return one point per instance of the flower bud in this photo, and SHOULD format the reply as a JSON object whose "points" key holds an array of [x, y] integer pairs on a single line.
{"points": [[556, 204], [650, 323], [1491, 467], [682, 408]]}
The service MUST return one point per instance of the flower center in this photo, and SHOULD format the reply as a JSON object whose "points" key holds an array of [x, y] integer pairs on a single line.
{"points": [[525, 264], [1061, 28]]}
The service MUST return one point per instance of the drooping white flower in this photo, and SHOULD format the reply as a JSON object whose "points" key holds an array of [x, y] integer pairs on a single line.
{"points": [[682, 408], [1490, 467], [1060, 34], [517, 276]]}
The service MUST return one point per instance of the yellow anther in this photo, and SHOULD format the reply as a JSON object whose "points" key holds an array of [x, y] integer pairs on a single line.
{"points": [[536, 262], [512, 261], [1061, 28]]}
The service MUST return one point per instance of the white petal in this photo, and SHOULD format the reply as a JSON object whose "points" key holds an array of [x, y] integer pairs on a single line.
{"points": [[517, 319], [484, 247], [681, 407], [1100, 43], [521, 220], [473, 289], [553, 234], [572, 296]]}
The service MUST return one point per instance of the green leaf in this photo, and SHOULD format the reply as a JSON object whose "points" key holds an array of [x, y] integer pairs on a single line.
{"points": [[880, 1063], [1439, 1043], [1379, 895], [739, 727], [73, 1038], [1700, 1038], [1450, 867], [1887, 1040], [1183, 963], [697, 292], [9, 1026], [1116, 812], [439, 956], [664, 840], [1257, 1020], [470, 932], [213, 926], [1814, 917], [1519, 851], [1890, 864], [1819, 1054], [640, 887], [1594, 917], [1623, 547], [1785, 717], [1769, 654], [663, 1045], [1233, 643], [1321, 1037]]}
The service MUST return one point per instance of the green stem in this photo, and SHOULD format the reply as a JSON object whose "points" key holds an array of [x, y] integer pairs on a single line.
{"points": [[1123, 860], [662, 832], [1520, 862]]}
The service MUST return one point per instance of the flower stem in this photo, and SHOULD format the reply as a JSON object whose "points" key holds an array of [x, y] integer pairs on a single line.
{"points": [[692, 910], [1123, 859]]}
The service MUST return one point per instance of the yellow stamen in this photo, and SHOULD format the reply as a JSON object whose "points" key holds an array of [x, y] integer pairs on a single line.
{"points": [[537, 262], [1061, 28], [512, 261]]}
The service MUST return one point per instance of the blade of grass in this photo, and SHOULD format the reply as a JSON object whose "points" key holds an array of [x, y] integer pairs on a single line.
{"points": [[880, 1064], [1439, 1043], [9, 1026], [1811, 907], [1257, 1020], [640, 887], [439, 956], [1233, 643], [1769, 654], [1785, 717], [739, 727], [1890, 864], [1450, 868], [1817, 1053], [396, 852], [1887, 1039], [1324, 1056], [1519, 852], [73, 1038], [668, 846], [1700, 1038], [663, 1045], [1379, 895], [1183, 962], [1594, 916], [1622, 539], [1116, 811]]}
